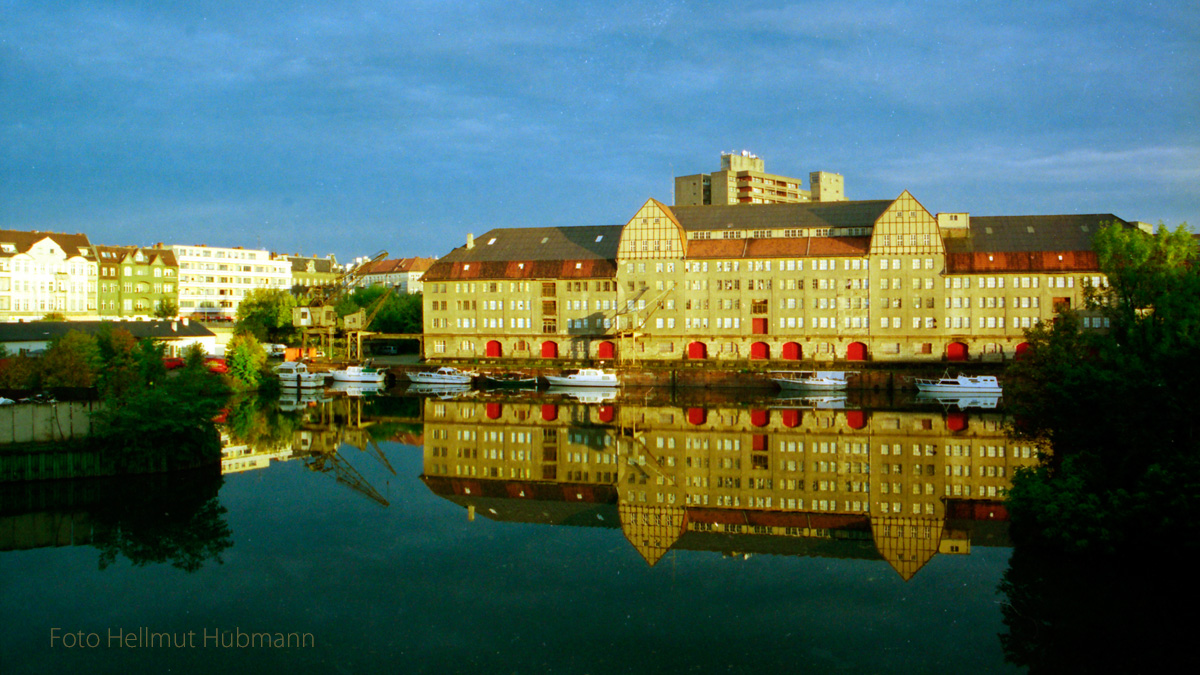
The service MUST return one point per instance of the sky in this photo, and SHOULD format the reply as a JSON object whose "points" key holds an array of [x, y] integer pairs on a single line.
{"points": [[350, 127]]}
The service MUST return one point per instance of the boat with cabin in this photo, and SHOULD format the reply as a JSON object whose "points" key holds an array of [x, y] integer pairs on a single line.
{"points": [[585, 377], [296, 375], [443, 375], [362, 373], [962, 384], [810, 380]]}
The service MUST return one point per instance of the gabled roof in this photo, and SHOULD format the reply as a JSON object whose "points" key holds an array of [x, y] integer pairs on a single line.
{"points": [[398, 266], [22, 241], [119, 254], [39, 331], [780, 216], [320, 265], [534, 252], [1002, 234]]}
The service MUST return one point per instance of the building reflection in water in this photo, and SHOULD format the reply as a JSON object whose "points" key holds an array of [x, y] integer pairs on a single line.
{"points": [[901, 485]]}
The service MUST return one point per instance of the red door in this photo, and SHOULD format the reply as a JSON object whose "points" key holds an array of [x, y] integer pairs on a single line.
{"points": [[697, 350], [758, 326], [549, 350], [493, 348], [697, 416], [791, 351], [760, 350], [956, 351], [856, 351], [759, 418], [606, 350]]}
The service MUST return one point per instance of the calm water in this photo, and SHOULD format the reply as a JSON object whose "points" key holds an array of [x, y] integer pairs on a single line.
{"points": [[502, 564]]}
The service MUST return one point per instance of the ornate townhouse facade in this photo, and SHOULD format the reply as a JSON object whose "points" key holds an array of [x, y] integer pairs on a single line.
{"points": [[135, 282], [844, 280], [46, 272]]}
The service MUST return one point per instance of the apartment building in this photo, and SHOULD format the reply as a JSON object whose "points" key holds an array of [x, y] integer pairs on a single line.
{"points": [[135, 281], [312, 272], [46, 272], [213, 280], [848, 280], [743, 180]]}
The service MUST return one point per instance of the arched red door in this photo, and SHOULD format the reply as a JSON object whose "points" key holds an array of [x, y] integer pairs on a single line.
{"points": [[956, 421], [606, 350], [856, 351], [760, 350], [697, 350], [605, 413], [493, 411], [956, 351], [493, 348], [791, 351], [549, 349]]}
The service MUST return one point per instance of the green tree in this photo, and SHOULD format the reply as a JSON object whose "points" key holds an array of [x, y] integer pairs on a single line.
{"points": [[72, 360], [245, 358], [1115, 409], [166, 309], [394, 313], [267, 314]]}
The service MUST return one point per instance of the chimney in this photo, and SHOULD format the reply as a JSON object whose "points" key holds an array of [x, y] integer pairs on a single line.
{"points": [[185, 320], [470, 240], [174, 326]]}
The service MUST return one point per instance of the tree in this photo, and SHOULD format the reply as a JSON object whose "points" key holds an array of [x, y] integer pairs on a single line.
{"points": [[166, 309], [245, 358], [72, 360], [396, 313], [267, 314], [1115, 408]]}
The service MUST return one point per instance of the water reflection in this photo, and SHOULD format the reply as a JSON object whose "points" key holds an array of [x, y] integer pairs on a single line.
{"points": [[802, 476], [173, 518]]}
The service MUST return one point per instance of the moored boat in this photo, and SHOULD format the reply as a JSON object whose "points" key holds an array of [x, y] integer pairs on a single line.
{"points": [[443, 375], [517, 380], [809, 379], [585, 377], [981, 384], [359, 374], [296, 375]]}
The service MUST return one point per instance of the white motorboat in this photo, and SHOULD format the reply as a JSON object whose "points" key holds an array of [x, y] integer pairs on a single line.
{"points": [[359, 374], [810, 380], [962, 384], [585, 377], [442, 391], [443, 375], [296, 375]]}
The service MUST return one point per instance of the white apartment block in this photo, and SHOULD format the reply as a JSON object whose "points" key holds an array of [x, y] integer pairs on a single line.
{"points": [[46, 272], [213, 280]]}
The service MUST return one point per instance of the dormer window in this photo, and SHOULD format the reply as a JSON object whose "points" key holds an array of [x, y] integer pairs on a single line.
{"points": [[8, 248], [491, 241]]}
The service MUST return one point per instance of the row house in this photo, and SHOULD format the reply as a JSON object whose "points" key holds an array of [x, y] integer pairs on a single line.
{"points": [[846, 280], [136, 281], [46, 272]]}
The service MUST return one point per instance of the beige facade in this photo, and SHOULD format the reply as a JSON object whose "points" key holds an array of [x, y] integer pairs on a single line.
{"points": [[743, 180], [46, 273], [886, 476], [869, 280]]}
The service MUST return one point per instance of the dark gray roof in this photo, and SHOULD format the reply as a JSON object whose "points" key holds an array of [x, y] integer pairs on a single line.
{"points": [[37, 331], [781, 216], [1002, 234], [585, 242]]}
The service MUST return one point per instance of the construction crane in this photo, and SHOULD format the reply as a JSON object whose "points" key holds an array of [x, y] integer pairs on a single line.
{"points": [[319, 316], [358, 323]]}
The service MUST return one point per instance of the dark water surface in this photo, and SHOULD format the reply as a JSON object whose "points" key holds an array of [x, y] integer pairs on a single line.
{"points": [[418, 586]]}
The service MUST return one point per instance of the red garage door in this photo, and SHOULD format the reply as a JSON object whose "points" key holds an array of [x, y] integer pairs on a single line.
{"points": [[791, 351], [549, 350], [856, 351], [606, 350], [760, 350], [697, 350], [956, 351]]}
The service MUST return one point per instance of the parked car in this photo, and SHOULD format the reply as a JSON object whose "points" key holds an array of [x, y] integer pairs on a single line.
{"points": [[173, 362], [275, 349], [216, 364]]}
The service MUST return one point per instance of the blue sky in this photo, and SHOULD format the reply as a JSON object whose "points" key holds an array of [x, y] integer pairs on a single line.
{"points": [[348, 127]]}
